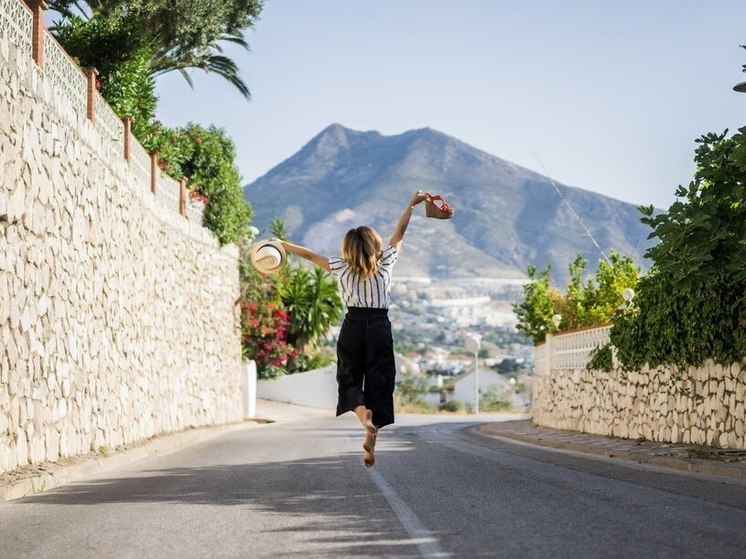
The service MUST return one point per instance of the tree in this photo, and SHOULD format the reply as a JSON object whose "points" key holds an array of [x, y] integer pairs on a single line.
{"points": [[588, 301], [278, 229], [703, 238], [509, 367], [313, 302], [691, 306], [575, 305], [122, 59], [412, 389], [613, 276], [538, 306], [180, 34]]}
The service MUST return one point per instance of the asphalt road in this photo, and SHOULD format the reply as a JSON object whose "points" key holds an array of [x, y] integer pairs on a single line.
{"points": [[299, 489]]}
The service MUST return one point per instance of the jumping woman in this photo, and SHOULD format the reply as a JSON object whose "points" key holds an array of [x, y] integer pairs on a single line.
{"points": [[365, 350]]}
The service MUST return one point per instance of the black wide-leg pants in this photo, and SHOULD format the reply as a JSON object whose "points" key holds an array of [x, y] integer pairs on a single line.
{"points": [[366, 370]]}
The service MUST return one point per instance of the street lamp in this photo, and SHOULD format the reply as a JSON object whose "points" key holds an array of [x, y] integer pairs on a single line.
{"points": [[473, 342], [627, 294], [556, 319]]}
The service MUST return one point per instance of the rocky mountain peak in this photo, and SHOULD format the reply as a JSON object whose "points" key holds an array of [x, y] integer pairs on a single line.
{"points": [[506, 216]]}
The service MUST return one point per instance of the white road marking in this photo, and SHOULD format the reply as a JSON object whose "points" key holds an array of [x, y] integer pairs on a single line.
{"points": [[426, 542]]}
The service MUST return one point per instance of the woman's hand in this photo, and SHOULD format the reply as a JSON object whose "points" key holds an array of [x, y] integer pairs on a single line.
{"points": [[418, 197]]}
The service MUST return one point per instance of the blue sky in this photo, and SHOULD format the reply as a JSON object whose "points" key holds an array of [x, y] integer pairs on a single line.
{"points": [[606, 96]]}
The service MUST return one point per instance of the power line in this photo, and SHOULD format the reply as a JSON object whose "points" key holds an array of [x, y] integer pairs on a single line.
{"points": [[569, 207]]}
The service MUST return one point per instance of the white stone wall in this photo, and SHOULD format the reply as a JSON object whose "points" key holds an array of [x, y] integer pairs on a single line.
{"points": [[705, 407], [315, 389], [117, 317]]}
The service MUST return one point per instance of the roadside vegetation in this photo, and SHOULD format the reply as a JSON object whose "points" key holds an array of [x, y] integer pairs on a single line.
{"points": [[130, 43], [690, 306], [587, 301], [285, 317]]}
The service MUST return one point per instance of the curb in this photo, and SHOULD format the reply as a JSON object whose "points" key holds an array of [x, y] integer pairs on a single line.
{"points": [[59, 474], [689, 465]]}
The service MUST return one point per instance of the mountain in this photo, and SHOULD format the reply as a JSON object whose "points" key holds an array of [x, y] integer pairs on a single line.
{"points": [[506, 217]]}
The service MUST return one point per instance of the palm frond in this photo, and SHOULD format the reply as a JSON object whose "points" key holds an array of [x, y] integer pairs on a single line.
{"points": [[236, 40], [219, 64], [187, 77]]}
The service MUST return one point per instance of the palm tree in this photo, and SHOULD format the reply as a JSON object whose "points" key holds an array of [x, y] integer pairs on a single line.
{"points": [[179, 35], [313, 302], [278, 229]]}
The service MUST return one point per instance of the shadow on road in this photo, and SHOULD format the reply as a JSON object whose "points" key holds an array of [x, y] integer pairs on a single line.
{"points": [[330, 504]]}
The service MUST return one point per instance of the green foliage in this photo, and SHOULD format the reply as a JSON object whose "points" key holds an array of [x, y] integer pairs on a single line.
{"points": [[314, 304], [452, 406], [111, 41], [588, 301], [112, 46], [704, 237], [105, 43], [310, 362], [187, 34], [180, 34], [509, 367], [495, 399], [278, 229], [412, 389], [612, 278], [536, 311], [691, 306], [211, 168], [575, 307], [602, 359]]}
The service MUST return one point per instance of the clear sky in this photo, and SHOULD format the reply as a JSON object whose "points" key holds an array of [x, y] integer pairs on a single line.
{"points": [[607, 96]]}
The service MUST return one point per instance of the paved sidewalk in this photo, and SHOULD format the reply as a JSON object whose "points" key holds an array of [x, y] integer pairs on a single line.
{"points": [[693, 458]]}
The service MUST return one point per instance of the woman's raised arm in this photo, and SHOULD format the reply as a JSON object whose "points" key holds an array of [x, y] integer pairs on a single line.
{"points": [[401, 225], [318, 259]]}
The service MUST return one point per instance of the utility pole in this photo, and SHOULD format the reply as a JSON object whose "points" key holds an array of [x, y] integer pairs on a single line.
{"points": [[473, 341]]}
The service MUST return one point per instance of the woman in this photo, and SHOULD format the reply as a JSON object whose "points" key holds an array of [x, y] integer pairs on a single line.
{"points": [[365, 351]]}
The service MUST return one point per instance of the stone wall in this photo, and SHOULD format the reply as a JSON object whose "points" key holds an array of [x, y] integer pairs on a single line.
{"points": [[117, 317], [706, 406]]}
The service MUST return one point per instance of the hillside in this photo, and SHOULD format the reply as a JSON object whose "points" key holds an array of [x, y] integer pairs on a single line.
{"points": [[506, 216]]}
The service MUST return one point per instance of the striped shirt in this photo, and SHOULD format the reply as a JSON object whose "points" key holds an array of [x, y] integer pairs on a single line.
{"points": [[371, 292]]}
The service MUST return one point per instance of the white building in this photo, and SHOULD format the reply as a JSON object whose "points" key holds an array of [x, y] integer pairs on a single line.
{"points": [[463, 385]]}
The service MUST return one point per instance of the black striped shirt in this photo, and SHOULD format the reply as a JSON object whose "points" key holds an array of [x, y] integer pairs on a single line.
{"points": [[372, 292]]}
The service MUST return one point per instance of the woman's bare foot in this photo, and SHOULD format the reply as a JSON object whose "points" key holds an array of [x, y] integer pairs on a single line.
{"points": [[369, 446]]}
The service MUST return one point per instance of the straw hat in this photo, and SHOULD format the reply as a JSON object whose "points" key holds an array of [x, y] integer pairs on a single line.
{"points": [[268, 256]]}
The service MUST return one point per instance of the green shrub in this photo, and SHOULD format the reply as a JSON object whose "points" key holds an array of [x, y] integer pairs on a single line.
{"points": [[208, 157], [311, 362], [691, 306], [496, 399], [587, 301], [112, 46], [452, 406], [412, 389]]}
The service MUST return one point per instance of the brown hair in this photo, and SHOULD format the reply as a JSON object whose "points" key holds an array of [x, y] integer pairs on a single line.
{"points": [[361, 249]]}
